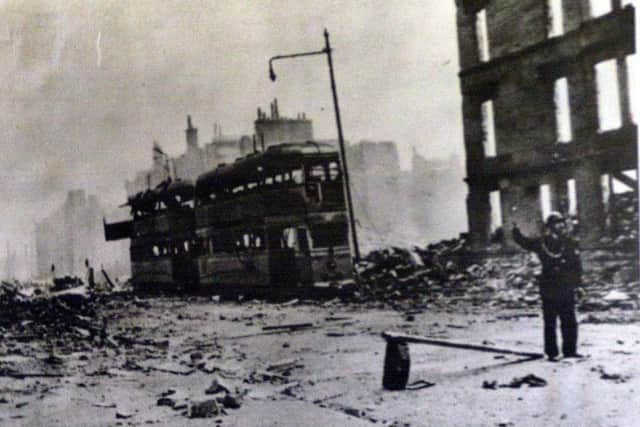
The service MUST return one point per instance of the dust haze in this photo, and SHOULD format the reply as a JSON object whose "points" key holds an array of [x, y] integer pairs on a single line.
{"points": [[88, 86]]}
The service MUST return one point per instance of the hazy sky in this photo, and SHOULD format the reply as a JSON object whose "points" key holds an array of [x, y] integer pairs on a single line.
{"points": [[87, 86]]}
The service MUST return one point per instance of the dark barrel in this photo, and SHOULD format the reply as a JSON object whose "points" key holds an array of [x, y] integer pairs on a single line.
{"points": [[397, 364]]}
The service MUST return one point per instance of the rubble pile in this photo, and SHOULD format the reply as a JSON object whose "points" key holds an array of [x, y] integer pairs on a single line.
{"points": [[624, 219], [448, 273], [29, 310]]}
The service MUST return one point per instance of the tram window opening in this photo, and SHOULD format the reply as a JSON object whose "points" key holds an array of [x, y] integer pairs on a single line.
{"points": [[313, 192], [303, 239], [318, 173], [334, 171], [279, 178], [226, 243], [330, 234], [289, 238], [252, 185], [274, 239], [268, 181], [297, 176], [156, 250]]}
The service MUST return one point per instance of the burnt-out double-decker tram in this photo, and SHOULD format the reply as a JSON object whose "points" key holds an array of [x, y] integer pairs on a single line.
{"points": [[162, 237], [273, 220]]}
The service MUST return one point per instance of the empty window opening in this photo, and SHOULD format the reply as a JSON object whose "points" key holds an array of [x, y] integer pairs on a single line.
{"points": [[488, 128], [609, 115], [618, 186], [496, 212], [599, 7], [556, 21], [563, 110], [632, 86], [545, 200], [482, 35], [572, 195]]}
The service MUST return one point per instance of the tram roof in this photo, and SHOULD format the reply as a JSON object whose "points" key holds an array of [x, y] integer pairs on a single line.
{"points": [[276, 158], [179, 187]]}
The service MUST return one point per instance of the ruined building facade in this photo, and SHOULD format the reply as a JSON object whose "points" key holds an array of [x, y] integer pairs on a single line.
{"points": [[546, 110]]}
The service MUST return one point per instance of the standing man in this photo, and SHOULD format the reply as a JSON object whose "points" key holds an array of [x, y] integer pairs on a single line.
{"points": [[560, 279]]}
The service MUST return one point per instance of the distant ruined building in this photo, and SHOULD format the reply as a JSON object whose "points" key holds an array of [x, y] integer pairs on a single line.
{"points": [[193, 162], [269, 130], [436, 196], [374, 169], [275, 129], [404, 207], [74, 233]]}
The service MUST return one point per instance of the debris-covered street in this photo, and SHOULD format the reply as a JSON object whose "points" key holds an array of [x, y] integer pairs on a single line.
{"points": [[192, 361]]}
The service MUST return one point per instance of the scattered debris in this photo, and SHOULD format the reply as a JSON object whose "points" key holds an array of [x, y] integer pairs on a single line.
{"points": [[616, 378], [205, 409], [121, 415], [531, 380], [217, 386]]}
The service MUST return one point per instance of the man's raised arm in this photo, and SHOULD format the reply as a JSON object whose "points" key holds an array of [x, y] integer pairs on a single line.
{"points": [[522, 240]]}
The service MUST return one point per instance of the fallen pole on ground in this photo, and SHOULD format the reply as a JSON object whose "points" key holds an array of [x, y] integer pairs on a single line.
{"points": [[393, 336], [397, 361], [287, 326], [271, 332]]}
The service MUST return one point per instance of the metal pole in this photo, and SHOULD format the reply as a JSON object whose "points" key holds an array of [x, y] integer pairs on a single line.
{"points": [[399, 337], [345, 170]]}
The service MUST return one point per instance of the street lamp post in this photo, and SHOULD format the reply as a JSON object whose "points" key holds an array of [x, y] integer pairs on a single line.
{"points": [[336, 107]]}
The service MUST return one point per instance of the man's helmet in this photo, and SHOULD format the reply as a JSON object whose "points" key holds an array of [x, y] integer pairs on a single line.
{"points": [[554, 218]]}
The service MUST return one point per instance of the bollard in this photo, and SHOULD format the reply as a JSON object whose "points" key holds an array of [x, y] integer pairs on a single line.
{"points": [[397, 364]]}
